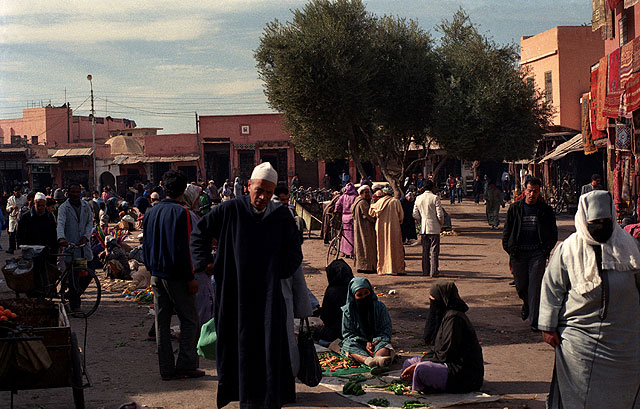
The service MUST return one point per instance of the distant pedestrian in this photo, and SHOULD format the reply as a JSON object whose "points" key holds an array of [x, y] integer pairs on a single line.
{"points": [[460, 188], [167, 229], [596, 184], [451, 187], [409, 234], [295, 182], [326, 182], [530, 233], [364, 233], [428, 211], [345, 178], [493, 200], [590, 311], [388, 213], [477, 189], [15, 204], [343, 207], [237, 188]]}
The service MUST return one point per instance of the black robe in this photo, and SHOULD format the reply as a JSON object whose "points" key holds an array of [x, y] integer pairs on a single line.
{"points": [[254, 253], [408, 223], [339, 276], [456, 344]]}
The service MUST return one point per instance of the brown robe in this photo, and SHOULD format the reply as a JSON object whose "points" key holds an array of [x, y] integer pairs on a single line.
{"points": [[364, 234], [389, 213]]}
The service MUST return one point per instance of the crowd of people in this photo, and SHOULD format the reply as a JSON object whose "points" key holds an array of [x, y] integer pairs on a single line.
{"points": [[234, 255]]}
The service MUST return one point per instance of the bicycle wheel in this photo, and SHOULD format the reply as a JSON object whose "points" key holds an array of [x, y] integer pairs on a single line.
{"points": [[81, 293], [333, 251]]}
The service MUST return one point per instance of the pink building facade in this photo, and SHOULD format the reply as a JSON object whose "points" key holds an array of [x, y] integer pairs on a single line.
{"points": [[232, 145], [558, 62]]}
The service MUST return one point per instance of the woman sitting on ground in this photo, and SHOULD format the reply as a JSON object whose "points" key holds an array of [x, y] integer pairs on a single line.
{"points": [[453, 362], [366, 326], [339, 276]]}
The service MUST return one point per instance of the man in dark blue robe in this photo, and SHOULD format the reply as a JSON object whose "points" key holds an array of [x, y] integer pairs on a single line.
{"points": [[257, 246]]}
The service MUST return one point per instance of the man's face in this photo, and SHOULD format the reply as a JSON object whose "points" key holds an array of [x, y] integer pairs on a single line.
{"points": [[366, 195], [284, 198], [17, 193], [74, 193], [96, 195], [260, 192], [531, 193], [596, 182], [41, 207]]}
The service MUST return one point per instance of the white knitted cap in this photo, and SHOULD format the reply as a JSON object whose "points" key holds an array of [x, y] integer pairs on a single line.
{"points": [[39, 196], [265, 171]]}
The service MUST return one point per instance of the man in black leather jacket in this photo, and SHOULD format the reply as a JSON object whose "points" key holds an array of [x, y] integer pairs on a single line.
{"points": [[529, 235]]}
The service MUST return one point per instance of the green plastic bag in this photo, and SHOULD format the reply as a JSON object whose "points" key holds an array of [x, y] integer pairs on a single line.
{"points": [[207, 341]]}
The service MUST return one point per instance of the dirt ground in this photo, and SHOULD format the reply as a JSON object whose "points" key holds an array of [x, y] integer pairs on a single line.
{"points": [[122, 363]]}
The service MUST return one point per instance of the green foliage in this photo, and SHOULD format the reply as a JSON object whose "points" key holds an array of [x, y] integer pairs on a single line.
{"points": [[484, 108], [354, 85]]}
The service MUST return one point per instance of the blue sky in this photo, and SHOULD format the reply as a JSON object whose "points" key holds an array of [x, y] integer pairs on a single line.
{"points": [[159, 61]]}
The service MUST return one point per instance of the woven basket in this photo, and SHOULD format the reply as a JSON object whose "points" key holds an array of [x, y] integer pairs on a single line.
{"points": [[23, 281]]}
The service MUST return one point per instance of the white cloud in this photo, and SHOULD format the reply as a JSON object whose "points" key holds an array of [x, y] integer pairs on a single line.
{"points": [[233, 87], [187, 69], [94, 31]]}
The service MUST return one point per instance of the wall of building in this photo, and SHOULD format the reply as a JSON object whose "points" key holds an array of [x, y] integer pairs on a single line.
{"points": [[568, 52], [50, 125], [633, 26], [578, 48]]}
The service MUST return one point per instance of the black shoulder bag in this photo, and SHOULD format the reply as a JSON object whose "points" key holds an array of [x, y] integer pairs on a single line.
{"points": [[310, 372]]}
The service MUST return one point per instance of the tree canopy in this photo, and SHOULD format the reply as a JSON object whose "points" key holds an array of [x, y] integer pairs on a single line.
{"points": [[353, 85], [484, 109]]}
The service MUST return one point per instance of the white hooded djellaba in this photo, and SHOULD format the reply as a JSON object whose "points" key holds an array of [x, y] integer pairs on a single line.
{"points": [[595, 313]]}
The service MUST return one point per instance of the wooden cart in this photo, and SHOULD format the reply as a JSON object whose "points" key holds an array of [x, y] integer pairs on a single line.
{"points": [[46, 321]]}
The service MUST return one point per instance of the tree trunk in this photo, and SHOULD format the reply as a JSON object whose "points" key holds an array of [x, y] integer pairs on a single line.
{"points": [[353, 152], [440, 165]]}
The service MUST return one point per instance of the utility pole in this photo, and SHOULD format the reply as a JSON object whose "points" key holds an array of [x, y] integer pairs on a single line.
{"points": [[200, 147], [93, 133], [67, 104]]}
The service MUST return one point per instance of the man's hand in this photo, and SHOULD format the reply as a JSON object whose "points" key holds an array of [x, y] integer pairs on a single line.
{"points": [[551, 338], [63, 242], [83, 241], [209, 269], [371, 347], [192, 287]]}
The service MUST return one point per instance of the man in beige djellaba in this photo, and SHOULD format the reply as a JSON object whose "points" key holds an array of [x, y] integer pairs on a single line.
{"points": [[388, 213]]}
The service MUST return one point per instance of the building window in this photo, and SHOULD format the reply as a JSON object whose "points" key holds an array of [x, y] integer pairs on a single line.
{"points": [[622, 29], [34, 139], [548, 87], [244, 129]]}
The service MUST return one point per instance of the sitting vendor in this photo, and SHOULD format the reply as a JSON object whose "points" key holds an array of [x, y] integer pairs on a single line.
{"points": [[453, 362], [366, 326]]}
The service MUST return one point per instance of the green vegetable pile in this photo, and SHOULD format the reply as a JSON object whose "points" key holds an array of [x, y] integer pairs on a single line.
{"points": [[383, 403], [353, 387], [411, 404], [398, 387]]}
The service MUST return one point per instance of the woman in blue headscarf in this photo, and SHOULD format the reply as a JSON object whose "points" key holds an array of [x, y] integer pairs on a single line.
{"points": [[366, 326]]}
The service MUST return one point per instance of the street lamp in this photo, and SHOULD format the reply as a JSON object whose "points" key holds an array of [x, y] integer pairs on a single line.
{"points": [[93, 134]]}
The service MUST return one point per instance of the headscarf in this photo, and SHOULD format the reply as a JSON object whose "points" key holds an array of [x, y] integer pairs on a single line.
{"points": [[350, 190], [446, 297], [363, 309], [619, 253], [363, 188], [387, 190], [191, 193]]}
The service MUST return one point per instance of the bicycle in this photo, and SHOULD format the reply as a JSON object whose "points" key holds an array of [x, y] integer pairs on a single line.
{"points": [[77, 287], [333, 252]]}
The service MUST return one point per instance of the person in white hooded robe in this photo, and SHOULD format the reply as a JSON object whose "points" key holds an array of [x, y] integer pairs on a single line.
{"points": [[590, 311]]}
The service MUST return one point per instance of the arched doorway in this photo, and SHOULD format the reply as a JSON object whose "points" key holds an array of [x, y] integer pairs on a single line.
{"points": [[107, 179]]}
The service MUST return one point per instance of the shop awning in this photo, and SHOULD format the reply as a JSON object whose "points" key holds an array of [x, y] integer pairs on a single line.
{"points": [[131, 160], [43, 161], [68, 153], [572, 145], [13, 150]]}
